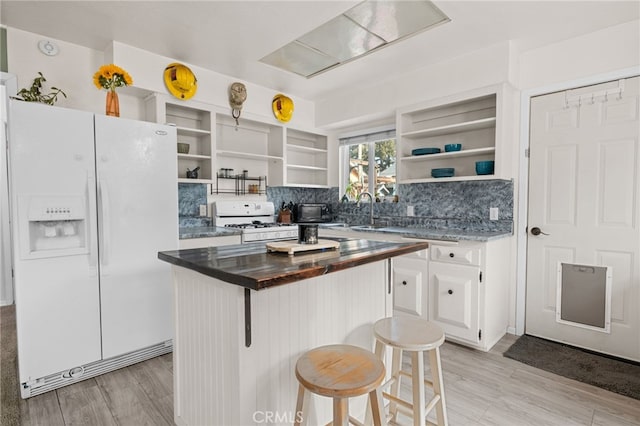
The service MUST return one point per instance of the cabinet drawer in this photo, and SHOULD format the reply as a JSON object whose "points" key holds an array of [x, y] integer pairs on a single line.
{"points": [[456, 254]]}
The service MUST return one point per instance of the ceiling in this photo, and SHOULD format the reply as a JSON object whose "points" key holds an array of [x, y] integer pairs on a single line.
{"points": [[230, 37]]}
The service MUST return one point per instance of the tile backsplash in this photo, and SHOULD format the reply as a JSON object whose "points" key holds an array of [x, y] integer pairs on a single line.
{"points": [[190, 197], [460, 205]]}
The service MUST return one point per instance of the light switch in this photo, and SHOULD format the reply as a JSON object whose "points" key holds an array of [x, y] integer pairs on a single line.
{"points": [[493, 213], [410, 211], [203, 209]]}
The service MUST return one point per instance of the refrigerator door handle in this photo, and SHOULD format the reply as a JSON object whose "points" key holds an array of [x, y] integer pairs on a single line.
{"points": [[90, 229], [103, 193]]}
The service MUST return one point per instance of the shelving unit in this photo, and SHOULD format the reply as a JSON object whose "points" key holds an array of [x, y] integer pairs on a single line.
{"points": [[253, 146], [273, 152], [241, 185], [306, 159], [194, 127], [471, 119]]}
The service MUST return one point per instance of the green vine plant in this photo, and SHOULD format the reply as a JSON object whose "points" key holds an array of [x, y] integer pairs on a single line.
{"points": [[34, 93]]}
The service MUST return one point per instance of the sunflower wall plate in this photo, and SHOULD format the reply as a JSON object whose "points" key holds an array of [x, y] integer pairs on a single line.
{"points": [[180, 81]]}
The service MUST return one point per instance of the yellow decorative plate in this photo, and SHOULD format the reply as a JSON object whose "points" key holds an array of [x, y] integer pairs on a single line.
{"points": [[282, 107], [180, 81]]}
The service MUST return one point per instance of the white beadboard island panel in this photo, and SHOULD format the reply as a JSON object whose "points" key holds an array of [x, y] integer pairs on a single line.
{"points": [[219, 381]]}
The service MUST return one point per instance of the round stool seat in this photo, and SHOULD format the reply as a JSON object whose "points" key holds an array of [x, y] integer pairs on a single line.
{"points": [[340, 371], [412, 334]]}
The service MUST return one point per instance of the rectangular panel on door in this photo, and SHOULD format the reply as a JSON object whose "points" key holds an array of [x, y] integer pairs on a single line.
{"points": [[137, 213], [409, 284], [453, 301]]}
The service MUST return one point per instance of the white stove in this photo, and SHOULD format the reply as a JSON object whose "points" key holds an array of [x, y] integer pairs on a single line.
{"points": [[255, 220]]}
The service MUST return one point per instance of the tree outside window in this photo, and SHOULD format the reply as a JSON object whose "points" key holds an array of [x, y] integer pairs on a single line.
{"points": [[379, 180]]}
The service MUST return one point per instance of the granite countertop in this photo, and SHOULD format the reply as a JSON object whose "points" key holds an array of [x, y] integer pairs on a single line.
{"points": [[423, 233], [251, 266], [409, 232]]}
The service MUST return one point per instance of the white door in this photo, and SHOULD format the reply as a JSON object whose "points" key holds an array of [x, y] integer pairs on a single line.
{"points": [[138, 216], [56, 290], [584, 198]]}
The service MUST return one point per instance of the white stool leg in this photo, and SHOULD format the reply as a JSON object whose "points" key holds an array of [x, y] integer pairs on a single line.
{"points": [[379, 351], [302, 407], [375, 398], [438, 388], [417, 385], [396, 366]]}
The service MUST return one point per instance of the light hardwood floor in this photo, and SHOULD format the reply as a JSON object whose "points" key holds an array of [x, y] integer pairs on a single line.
{"points": [[480, 388]]}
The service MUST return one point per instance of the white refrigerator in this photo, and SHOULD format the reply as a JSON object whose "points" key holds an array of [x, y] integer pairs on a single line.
{"points": [[93, 200]]}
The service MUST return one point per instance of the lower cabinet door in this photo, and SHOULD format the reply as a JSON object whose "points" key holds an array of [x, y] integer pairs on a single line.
{"points": [[410, 286], [454, 300]]}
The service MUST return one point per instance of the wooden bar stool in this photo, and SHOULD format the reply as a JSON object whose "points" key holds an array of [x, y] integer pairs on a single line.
{"points": [[416, 336], [340, 372]]}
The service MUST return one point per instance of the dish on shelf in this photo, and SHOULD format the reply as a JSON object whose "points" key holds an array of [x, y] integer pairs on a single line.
{"points": [[443, 172], [485, 167], [450, 147], [425, 151]]}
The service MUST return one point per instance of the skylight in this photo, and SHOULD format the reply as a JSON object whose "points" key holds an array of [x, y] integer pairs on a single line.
{"points": [[361, 30]]}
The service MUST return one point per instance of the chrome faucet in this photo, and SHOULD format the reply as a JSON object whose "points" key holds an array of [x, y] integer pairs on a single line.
{"points": [[371, 209]]}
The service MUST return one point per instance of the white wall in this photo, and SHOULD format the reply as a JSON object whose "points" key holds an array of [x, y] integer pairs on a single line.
{"points": [[483, 67], [601, 52], [73, 68]]}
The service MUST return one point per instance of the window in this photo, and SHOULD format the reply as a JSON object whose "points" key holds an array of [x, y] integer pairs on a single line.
{"points": [[368, 164]]}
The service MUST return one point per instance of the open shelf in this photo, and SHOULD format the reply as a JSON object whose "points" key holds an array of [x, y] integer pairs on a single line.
{"points": [[467, 126]]}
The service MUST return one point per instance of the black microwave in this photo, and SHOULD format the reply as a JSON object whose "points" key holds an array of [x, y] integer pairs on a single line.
{"points": [[312, 213]]}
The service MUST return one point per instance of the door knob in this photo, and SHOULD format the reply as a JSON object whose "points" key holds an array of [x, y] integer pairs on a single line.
{"points": [[537, 231], [404, 283], [450, 291]]}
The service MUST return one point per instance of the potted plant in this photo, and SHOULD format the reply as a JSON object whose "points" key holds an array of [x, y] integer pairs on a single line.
{"points": [[34, 93]]}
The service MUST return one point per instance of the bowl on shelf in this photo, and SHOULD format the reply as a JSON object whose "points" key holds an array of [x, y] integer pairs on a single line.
{"points": [[450, 147], [485, 167], [425, 151], [183, 148], [443, 172]]}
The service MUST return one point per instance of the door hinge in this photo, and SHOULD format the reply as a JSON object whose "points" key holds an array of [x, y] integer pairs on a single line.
{"points": [[526, 153], [479, 334], [480, 276]]}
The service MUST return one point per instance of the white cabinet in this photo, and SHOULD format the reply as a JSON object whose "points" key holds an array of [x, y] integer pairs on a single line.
{"points": [[475, 120], [194, 128], [454, 300], [410, 286], [468, 291], [306, 159]]}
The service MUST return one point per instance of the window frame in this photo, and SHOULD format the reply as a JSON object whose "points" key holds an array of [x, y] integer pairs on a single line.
{"points": [[369, 137]]}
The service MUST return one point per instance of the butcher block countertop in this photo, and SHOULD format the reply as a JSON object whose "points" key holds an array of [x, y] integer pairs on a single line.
{"points": [[252, 266]]}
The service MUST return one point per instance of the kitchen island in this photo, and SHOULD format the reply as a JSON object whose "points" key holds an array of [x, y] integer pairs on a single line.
{"points": [[243, 316]]}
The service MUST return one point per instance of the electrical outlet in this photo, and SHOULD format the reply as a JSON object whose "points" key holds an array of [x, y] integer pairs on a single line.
{"points": [[203, 209], [493, 213], [410, 211]]}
